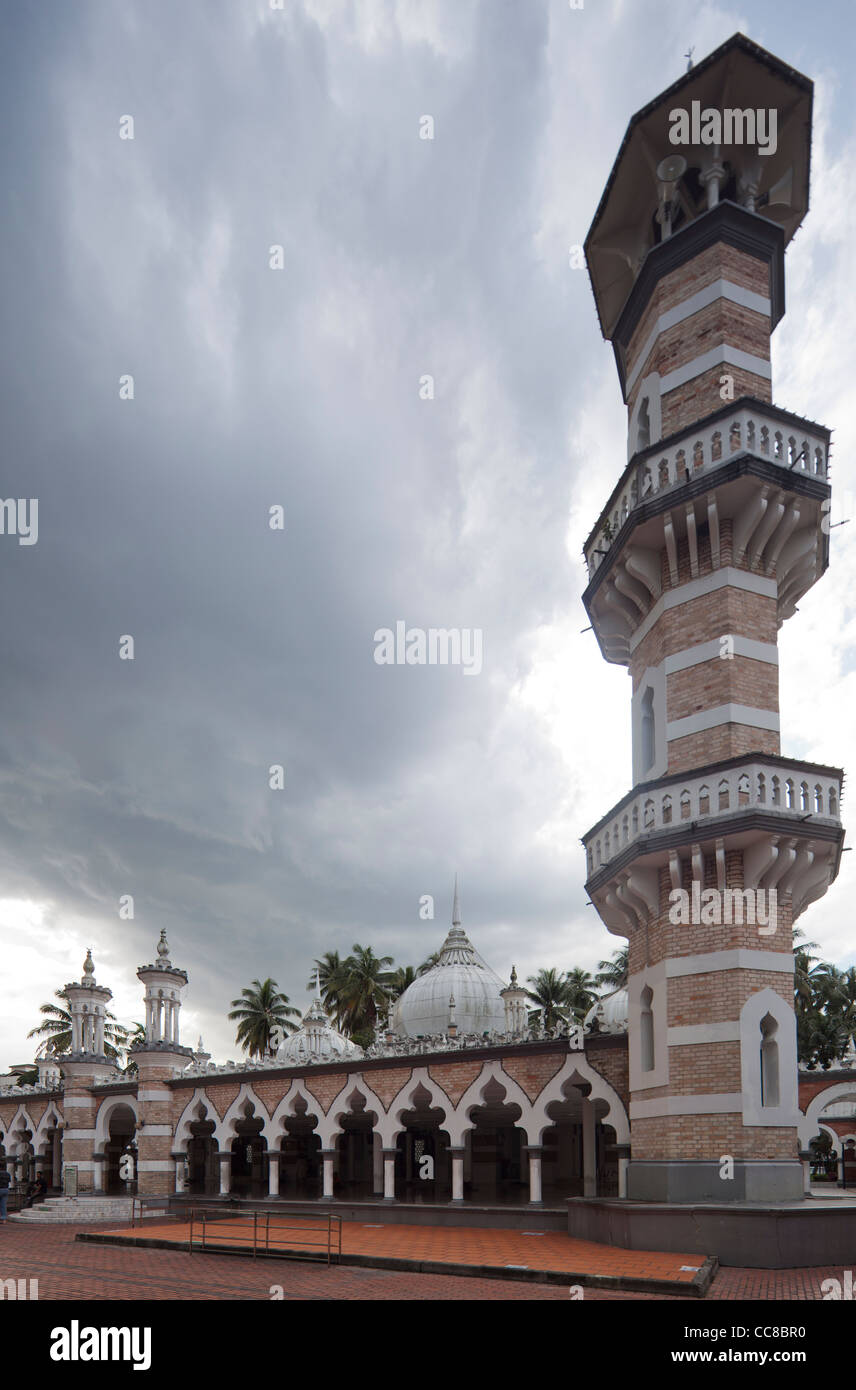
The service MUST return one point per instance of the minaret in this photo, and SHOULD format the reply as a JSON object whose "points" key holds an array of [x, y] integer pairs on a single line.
{"points": [[85, 1065], [705, 545], [159, 1057]]}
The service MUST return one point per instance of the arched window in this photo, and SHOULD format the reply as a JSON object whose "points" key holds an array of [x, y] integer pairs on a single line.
{"points": [[686, 804], [667, 810], [649, 742], [762, 788], [646, 1030], [769, 1062]]}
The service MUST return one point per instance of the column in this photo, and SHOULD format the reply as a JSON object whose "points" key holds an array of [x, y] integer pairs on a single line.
{"points": [[589, 1159], [389, 1175], [56, 1169], [328, 1155], [377, 1166], [180, 1170], [273, 1172], [623, 1151], [534, 1152], [457, 1174], [98, 1161], [225, 1161]]}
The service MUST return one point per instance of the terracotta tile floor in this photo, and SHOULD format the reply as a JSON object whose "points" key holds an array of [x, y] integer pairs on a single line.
{"points": [[70, 1270], [461, 1245]]}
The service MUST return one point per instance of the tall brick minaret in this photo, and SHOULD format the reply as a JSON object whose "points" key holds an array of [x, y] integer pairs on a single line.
{"points": [[159, 1057], [708, 540]]}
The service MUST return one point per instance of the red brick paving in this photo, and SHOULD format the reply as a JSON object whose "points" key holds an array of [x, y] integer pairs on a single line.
{"points": [[69, 1269], [551, 1251]]}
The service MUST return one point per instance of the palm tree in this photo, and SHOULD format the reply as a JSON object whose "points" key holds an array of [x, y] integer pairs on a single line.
{"points": [[261, 1011], [551, 993], [55, 1032], [428, 963], [331, 977], [581, 991], [612, 974], [402, 979], [366, 989]]}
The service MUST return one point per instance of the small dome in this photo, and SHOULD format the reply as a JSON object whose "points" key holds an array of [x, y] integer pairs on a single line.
{"points": [[460, 974], [610, 1013], [316, 1040]]}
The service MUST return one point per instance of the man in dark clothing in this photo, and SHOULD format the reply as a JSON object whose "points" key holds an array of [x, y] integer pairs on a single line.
{"points": [[5, 1182]]}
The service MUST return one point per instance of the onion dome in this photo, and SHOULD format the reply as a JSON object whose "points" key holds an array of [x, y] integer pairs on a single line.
{"points": [[609, 1013], [316, 1040], [423, 1009]]}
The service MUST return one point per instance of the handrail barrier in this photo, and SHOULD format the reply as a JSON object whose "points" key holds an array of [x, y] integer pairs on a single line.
{"points": [[266, 1231]]}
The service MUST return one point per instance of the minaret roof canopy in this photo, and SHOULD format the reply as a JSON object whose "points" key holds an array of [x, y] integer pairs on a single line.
{"points": [[738, 75]]}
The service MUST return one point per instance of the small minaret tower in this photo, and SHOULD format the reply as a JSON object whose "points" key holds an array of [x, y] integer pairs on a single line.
{"points": [[715, 529], [85, 1065], [159, 1057]]}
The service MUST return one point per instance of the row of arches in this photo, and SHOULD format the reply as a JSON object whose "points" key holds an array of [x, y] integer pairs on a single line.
{"points": [[493, 1145]]}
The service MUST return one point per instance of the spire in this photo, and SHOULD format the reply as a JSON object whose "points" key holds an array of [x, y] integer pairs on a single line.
{"points": [[456, 906], [163, 947], [88, 968]]}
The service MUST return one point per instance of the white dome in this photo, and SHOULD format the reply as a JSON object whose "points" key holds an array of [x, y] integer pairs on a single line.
{"points": [[610, 1012], [423, 1008], [316, 1040]]}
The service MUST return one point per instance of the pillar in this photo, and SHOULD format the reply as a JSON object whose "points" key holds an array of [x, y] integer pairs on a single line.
{"points": [[534, 1152], [328, 1156], [180, 1170], [389, 1175], [457, 1174], [589, 1152], [273, 1172], [623, 1152], [98, 1161], [225, 1160], [377, 1167]]}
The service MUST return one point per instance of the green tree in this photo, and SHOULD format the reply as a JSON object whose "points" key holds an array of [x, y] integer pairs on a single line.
{"points": [[581, 991], [551, 994], [612, 974], [332, 975], [261, 1011], [366, 991], [55, 1032]]}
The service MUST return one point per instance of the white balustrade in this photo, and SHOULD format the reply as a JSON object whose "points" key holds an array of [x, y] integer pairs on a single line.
{"points": [[763, 431], [793, 791]]}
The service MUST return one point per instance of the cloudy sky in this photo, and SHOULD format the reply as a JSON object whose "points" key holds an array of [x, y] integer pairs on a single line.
{"points": [[299, 387]]}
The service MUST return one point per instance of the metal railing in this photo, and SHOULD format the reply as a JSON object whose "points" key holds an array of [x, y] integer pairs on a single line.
{"points": [[265, 1231]]}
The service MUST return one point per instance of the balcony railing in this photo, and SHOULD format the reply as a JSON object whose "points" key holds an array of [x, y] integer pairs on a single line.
{"points": [[794, 444], [795, 791]]}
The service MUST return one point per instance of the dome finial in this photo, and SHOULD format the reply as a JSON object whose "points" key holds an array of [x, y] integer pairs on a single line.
{"points": [[163, 945], [456, 906], [88, 965]]}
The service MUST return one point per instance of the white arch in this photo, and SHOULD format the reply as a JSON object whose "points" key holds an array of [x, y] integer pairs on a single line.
{"points": [[392, 1124], [616, 1114], [40, 1136], [105, 1110], [226, 1129], [808, 1125], [329, 1126], [26, 1122], [460, 1122], [182, 1134], [285, 1110]]}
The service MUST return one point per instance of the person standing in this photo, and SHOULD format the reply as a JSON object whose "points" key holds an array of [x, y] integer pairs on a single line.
{"points": [[5, 1181]]}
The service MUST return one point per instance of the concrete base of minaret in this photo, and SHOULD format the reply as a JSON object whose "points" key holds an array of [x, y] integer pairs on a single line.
{"points": [[702, 1180], [819, 1232]]}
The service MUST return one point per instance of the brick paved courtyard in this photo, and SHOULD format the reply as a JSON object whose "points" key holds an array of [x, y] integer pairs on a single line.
{"points": [[70, 1269]]}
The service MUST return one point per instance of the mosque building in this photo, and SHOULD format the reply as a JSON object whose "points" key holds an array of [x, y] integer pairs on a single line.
{"points": [[676, 1105]]}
